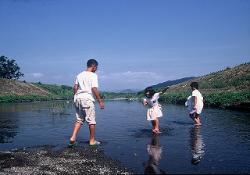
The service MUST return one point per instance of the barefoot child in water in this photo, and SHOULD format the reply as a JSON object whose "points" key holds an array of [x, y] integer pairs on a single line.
{"points": [[154, 111], [195, 103]]}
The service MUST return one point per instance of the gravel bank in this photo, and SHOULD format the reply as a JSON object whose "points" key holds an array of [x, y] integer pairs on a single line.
{"points": [[51, 160]]}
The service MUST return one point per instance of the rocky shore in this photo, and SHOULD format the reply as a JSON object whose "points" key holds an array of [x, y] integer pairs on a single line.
{"points": [[51, 160]]}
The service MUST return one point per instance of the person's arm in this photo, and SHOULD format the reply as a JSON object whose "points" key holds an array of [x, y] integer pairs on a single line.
{"points": [[144, 102], [195, 102], [98, 97], [76, 86]]}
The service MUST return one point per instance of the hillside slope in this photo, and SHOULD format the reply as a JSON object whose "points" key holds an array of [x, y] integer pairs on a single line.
{"points": [[230, 80], [229, 88], [172, 82], [13, 87], [17, 91]]}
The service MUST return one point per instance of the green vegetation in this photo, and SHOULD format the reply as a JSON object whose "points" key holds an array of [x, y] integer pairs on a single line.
{"points": [[23, 98], [227, 88], [57, 91], [113, 95], [20, 91], [227, 99], [174, 98], [220, 99]]}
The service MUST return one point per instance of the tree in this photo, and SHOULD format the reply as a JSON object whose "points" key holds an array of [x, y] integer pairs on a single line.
{"points": [[9, 69]]}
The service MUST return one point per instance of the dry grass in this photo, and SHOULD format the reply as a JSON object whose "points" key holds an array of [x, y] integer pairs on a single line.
{"points": [[15, 87]]}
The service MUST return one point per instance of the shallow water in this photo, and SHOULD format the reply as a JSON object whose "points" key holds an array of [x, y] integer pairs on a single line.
{"points": [[221, 145]]}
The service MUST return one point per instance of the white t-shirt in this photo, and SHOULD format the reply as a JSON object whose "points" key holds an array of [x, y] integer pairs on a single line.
{"points": [[86, 81], [197, 94]]}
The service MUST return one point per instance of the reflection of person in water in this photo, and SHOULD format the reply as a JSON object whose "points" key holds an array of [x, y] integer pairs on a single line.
{"points": [[197, 145], [154, 151]]}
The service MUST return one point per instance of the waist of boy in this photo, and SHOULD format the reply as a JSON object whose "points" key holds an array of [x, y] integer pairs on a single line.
{"points": [[84, 95]]}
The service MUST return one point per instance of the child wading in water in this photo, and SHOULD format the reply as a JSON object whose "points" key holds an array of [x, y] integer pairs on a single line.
{"points": [[195, 103], [154, 111]]}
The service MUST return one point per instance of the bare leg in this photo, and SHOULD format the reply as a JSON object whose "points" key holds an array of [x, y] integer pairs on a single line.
{"points": [[91, 134], [75, 131], [197, 119], [157, 124], [153, 125]]}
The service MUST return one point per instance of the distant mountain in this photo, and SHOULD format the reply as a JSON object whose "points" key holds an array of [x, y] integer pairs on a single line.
{"points": [[129, 91], [172, 82]]}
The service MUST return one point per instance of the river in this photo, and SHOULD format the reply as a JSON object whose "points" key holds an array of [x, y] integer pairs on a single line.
{"points": [[220, 145]]}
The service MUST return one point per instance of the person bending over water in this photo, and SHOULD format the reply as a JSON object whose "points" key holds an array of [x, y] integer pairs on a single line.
{"points": [[195, 103], [154, 110]]}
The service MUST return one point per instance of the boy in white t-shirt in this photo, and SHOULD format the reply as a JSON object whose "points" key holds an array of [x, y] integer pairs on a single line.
{"points": [[86, 85], [195, 103]]}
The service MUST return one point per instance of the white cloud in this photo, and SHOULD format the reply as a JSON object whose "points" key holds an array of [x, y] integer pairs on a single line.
{"points": [[36, 75], [57, 77], [132, 76], [129, 79]]}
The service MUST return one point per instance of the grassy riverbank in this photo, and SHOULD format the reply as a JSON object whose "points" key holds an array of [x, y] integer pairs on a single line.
{"points": [[21, 91], [231, 100], [229, 88]]}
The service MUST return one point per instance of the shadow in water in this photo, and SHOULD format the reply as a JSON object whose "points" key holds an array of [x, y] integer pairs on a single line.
{"points": [[182, 123], [7, 131], [154, 150], [197, 145], [144, 133]]}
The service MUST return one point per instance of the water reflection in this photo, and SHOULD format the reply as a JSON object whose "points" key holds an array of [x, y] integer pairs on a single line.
{"points": [[23, 115], [197, 145], [60, 108], [154, 151], [8, 130]]}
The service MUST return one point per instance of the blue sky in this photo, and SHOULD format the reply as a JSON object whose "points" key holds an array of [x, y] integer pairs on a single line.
{"points": [[137, 42]]}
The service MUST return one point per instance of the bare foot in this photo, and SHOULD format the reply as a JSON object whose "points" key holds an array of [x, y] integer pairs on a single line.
{"points": [[72, 139], [156, 131], [197, 124], [94, 143]]}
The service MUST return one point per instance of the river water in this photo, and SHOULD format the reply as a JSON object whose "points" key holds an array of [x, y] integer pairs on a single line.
{"points": [[220, 145]]}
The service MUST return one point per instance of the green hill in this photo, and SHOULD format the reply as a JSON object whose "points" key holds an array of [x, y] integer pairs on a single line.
{"points": [[227, 88], [172, 82], [19, 91]]}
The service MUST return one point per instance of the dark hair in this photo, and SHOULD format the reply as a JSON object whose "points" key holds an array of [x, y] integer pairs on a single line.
{"points": [[149, 90], [92, 62], [194, 85]]}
